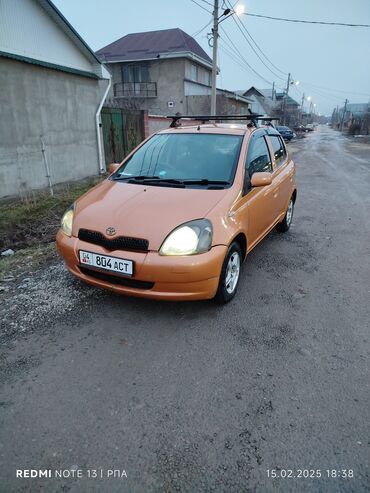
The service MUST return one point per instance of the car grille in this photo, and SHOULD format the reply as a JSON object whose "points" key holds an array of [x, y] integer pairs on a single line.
{"points": [[112, 279], [118, 243]]}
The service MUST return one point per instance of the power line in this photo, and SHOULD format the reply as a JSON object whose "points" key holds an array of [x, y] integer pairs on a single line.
{"points": [[307, 22], [257, 46], [337, 90], [208, 3], [202, 29], [201, 6], [238, 62], [244, 61], [258, 56]]}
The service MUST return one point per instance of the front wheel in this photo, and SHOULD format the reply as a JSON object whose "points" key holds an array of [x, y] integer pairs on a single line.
{"points": [[230, 274], [287, 221]]}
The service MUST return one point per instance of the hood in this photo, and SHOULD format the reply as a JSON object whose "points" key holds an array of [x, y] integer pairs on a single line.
{"points": [[142, 211]]}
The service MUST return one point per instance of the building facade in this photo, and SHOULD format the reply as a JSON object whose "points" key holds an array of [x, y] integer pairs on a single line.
{"points": [[164, 72], [51, 87]]}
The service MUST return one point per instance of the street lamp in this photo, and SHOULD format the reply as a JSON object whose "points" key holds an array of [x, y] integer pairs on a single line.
{"points": [[238, 10]]}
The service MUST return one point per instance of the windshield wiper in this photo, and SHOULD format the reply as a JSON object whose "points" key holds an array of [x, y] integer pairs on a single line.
{"points": [[151, 180], [205, 181], [133, 177]]}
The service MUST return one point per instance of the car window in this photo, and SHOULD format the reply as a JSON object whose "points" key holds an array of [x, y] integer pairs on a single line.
{"points": [[279, 149], [258, 158], [192, 156]]}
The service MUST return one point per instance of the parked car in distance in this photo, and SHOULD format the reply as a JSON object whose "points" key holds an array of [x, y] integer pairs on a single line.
{"points": [[286, 132], [301, 129], [176, 219]]}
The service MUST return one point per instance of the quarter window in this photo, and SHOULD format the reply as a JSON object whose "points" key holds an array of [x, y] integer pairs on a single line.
{"points": [[258, 157], [279, 149]]}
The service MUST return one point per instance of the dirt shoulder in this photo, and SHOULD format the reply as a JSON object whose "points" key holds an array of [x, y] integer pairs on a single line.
{"points": [[34, 220], [34, 284]]}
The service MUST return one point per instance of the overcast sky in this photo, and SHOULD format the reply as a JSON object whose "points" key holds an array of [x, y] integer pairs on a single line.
{"points": [[335, 58]]}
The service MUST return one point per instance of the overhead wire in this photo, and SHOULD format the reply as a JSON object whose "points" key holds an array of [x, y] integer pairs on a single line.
{"points": [[241, 56], [305, 21], [337, 90], [202, 29], [208, 3], [254, 50], [201, 6], [256, 44]]}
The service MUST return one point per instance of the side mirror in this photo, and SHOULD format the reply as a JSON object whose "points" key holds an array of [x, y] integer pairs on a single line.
{"points": [[261, 179], [113, 167]]}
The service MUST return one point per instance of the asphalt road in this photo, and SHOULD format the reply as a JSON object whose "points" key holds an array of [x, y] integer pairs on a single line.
{"points": [[194, 397]]}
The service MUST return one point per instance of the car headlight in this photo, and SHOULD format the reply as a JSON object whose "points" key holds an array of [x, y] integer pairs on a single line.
{"points": [[67, 220], [188, 239]]}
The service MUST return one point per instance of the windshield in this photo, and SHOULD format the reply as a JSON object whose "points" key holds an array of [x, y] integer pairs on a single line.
{"points": [[185, 159]]}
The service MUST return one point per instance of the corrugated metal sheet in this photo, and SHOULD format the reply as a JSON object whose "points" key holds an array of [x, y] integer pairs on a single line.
{"points": [[36, 30]]}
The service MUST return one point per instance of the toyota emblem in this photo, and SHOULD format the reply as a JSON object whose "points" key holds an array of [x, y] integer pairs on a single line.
{"points": [[110, 231]]}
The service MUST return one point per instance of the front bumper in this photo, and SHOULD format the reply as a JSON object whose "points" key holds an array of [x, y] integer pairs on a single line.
{"points": [[193, 277]]}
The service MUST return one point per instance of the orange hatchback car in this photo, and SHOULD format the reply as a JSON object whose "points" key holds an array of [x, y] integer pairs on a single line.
{"points": [[176, 219]]}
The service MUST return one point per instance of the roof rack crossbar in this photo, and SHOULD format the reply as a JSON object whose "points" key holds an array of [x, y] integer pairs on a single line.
{"points": [[207, 118]]}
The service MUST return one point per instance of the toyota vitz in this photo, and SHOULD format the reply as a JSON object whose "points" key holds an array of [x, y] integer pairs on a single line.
{"points": [[176, 219]]}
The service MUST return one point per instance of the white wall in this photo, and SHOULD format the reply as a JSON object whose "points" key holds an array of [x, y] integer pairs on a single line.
{"points": [[27, 30]]}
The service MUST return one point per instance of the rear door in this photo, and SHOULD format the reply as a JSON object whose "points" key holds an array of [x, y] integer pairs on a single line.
{"points": [[283, 173]]}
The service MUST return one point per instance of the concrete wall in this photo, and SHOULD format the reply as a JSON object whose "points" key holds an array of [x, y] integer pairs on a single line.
{"points": [[58, 107]]}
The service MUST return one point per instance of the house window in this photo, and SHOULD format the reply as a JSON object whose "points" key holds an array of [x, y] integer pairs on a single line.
{"points": [[208, 78], [193, 72], [135, 73]]}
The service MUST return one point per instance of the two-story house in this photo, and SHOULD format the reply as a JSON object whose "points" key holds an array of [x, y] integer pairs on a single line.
{"points": [[164, 72]]}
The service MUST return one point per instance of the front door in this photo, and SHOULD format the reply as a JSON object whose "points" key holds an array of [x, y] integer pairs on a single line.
{"points": [[260, 201]]}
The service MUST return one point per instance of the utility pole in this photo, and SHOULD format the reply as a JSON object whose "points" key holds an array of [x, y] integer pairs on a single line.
{"points": [[344, 114], [214, 58], [286, 98], [302, 108]]}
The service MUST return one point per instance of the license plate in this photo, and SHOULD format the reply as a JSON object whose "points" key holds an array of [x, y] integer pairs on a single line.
{"points": [[115, 264]]}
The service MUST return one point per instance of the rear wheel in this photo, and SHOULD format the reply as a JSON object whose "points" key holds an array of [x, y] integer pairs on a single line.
{"points": [[287, 221], [230, 274]]}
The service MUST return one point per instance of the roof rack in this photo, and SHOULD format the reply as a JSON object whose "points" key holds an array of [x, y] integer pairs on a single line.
{"points": [[206, 118], [269, 120]]}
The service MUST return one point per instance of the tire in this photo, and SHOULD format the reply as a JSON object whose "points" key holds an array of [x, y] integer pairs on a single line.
{"points": [[284, 226], [233, 260]]}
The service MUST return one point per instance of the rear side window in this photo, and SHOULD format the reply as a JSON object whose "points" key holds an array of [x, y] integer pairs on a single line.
{"points": [[258, 157], [279, 149]]}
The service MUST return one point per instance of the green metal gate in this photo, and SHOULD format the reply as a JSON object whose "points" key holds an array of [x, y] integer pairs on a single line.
{"points": [[123, 130]]}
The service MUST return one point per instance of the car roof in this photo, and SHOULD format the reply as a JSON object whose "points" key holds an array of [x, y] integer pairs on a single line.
{"points": [[218, 128]]}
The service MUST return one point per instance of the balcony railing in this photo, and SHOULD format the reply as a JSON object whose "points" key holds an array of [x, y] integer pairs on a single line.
{"points": [[135, 89]]}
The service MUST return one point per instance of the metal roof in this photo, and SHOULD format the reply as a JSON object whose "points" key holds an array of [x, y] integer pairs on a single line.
{"points": [[151, 45]]}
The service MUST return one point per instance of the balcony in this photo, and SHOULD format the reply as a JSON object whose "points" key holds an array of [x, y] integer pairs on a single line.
{"points": [[135, 90]]}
